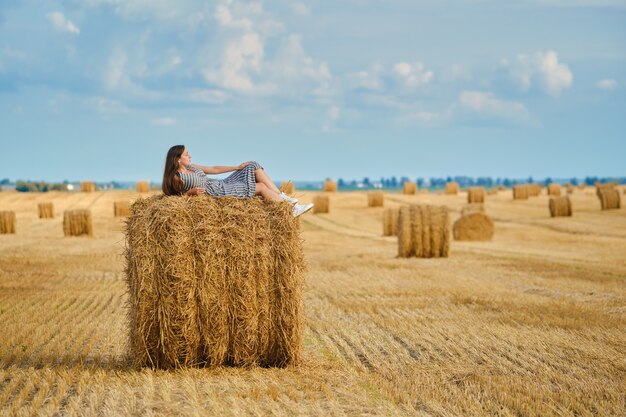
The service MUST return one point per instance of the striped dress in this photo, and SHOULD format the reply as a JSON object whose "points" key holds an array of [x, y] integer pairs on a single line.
{"points": [[241, 183]]}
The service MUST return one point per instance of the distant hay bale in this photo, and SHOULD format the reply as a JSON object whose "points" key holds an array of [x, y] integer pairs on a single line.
{"points": [[502, 188], [533, 190], [569, 189], [321, 204], [287, 187], [375, 198], [554, 189], [472, 208], [452, 188], [473, 226], [213, 281], [87, 186], [409, 188], [142, 187], [475, 195], [46, 210], [390, 221], [560, 207], [121, 208], [520, 192], [77, 222], [602, 187], [610, 199], [423, 231], [330, 186], [8, 222]]}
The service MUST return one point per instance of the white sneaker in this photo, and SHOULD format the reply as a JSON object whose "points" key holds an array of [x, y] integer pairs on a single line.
{"points": [[300, 209], [290, 200]]}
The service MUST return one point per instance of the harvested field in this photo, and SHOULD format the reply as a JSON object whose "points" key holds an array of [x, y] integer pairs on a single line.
{"points": [[530, 323], [472, 208]]}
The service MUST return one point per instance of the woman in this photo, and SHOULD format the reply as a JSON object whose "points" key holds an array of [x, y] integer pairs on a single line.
{"points": [[181, 177]]}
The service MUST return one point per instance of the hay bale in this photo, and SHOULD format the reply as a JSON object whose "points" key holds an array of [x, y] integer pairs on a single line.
{"points": [[520, 192], [121, 208], [8, 222], [560, 206], [287, 187], [390, 221], [502, 188], [409, 188], [569, 189], [375, 199], [452, 188], [77, 222], [610, 199], [214, 281], [423, 231], [142, 187], [475, 195], [534, 190], [554, 189], [46, 210], [602, 187], [87, 186], [472, 208], [473, 226], [330, 186], [321, 204]]}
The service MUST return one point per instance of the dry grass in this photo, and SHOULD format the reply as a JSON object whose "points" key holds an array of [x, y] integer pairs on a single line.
{"points": [[534, 190], [121, 208], [46, 210], [390, 221], [560, 207], [554, 189], [472, 208], [492, 191], [520, 192], [528, 324], [8, 222], [225, 276], [142, 187], [475, 195], [452, 188], [375, 199], [87, 187], [288, 187], [475, 226], [77, 222], [409, 188], [330, 186], [322, 204], [423, 231]]}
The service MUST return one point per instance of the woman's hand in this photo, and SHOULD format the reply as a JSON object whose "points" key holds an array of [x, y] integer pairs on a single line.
{"points": [[196, 191], [243, 165]]}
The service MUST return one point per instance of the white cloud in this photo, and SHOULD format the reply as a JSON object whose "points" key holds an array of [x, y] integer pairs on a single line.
{"points": [[209, 96], [485, 104], [164, 121], [370, 79], [300, 9], [607, 84], [60, 23], [412, 75], [224, 18], [540, 70], [106, 106]]}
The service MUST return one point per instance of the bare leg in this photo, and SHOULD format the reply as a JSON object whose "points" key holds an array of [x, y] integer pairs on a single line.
{"points": [[262, 190], [261, 176]]}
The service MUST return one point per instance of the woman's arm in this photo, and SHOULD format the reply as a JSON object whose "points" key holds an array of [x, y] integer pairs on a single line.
{"points": [[219, 169]]}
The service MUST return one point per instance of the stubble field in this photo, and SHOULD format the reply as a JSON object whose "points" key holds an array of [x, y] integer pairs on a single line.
{"points": [[531, 323]]}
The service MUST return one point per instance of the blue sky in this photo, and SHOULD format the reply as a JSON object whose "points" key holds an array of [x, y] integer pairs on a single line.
{"points": [[100, 89]]}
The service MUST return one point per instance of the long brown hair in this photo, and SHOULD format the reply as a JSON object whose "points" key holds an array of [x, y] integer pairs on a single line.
{"points": [[172, 184]]}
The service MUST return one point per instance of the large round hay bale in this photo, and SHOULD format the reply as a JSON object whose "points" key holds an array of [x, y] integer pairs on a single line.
{"points": [[520, 192], [142, 187], [375, 198], [472, 208], [321, 204], [330, 186], [475, 195], [610, 199], [87, 186], [8, 222], [602, 187], [423, 231], [46, 210], [409, 188], [534, 190], [77, 222], [390, 221], [121, 208], [473, 226], [560, 206], [452, 188], [287, 187], [554, 189], [214, 281]]}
